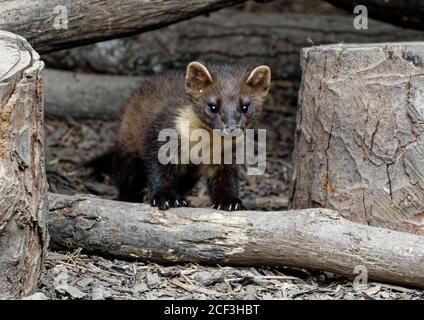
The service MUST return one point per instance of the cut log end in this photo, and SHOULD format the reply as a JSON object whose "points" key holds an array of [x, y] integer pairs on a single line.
{"points": [[359, 143], [23, 236]]}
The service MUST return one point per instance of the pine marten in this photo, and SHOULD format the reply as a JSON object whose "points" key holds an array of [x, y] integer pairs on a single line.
{"points": [[227, 97]]}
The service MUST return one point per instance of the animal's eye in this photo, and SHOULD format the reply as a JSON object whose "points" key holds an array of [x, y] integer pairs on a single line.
{"points": [[213, 107], [245, 107]]}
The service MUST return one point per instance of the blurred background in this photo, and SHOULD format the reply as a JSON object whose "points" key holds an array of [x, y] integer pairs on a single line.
{"points": [[86, 86], [82, 110]]}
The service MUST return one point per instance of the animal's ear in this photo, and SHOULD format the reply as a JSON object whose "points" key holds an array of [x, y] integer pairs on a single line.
{"points": [[197, 77], [260, 79]]}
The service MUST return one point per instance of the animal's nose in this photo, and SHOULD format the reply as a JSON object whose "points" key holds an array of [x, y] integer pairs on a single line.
{"points": [[232, 130]]}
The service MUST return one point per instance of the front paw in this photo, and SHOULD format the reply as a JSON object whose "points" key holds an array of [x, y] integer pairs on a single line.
{"points": [[164, 202], [229, 204]]}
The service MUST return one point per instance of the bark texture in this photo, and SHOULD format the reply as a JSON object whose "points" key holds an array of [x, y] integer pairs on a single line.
{"points": [[223, 37], [23, 237], [51, 25], [80, 95], [405, 13], [313, 238], [359, 146]]}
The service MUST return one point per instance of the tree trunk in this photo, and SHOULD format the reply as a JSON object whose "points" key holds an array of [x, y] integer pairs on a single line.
{"points": [[225, 36], [80, 95], [23, 237], [51, 25], [313, 238], [405, 13], [359, 146]]}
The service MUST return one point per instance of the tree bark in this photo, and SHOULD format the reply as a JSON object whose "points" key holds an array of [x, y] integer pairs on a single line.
{"points": [[80, 95], [359, 146], [51, 25], [23, 235], [225, 36], [313, 238], [405, 13]]}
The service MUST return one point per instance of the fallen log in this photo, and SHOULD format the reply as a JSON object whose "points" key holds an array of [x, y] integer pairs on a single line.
{"points": [[51, 25], [269, 202], [80, 95], [313, 238], [223, 37], [405, 13], [359, 146], [23, 233]]}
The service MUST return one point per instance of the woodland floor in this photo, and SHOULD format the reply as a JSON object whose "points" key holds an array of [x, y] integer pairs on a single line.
{"points": [[75, 275]]}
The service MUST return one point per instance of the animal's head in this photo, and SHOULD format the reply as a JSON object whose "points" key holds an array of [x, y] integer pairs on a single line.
{"points": [[227, 97]]}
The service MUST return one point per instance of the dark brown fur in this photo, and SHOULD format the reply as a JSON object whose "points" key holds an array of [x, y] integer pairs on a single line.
{"points": [[161, 103]]}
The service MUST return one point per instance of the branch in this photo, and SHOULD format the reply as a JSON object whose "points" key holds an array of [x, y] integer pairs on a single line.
{"points": [[226, 36], [313, 238], [91, 21]]}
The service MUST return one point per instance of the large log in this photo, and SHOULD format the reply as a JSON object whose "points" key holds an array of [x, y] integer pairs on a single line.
{"points": [[313, 238], [51, 25], [359, 146], [225, 36], [23, 235], [80, 95], [405, 13]]}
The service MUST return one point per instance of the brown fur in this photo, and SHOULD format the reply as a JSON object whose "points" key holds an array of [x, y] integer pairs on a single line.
{"points": [[162, 102], [144, 106]]}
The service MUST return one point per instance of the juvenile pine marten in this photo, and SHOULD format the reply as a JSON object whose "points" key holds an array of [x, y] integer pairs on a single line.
{"points": [[226, 97]]}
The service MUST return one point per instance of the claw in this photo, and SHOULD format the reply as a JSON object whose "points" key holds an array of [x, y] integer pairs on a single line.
{"points": [[164, 205], [177, 203], [229, 204]]}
